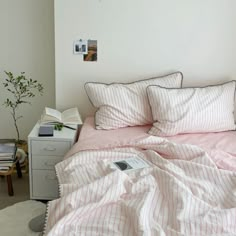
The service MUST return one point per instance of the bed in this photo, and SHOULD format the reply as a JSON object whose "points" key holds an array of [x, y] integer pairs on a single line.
{"points": [[192, 195], [187, 187]]}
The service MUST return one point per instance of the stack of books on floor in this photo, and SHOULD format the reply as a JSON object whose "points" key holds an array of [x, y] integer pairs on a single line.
{"points": [[7, 155]]}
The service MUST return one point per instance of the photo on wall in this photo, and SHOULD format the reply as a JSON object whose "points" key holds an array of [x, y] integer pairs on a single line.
{"points": [[81, 46], [92, 51]]}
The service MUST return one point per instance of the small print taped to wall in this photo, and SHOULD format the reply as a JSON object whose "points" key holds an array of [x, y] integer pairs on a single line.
{"points": [[92, 51], [81, 46]]}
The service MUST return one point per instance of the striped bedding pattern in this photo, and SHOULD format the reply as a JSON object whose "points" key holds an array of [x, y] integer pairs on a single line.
{"points": [[122, 105], [192, 110], [181, 193]]}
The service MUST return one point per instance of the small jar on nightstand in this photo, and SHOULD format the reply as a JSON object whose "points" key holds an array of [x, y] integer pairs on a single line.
{"points": [[44, 154]]}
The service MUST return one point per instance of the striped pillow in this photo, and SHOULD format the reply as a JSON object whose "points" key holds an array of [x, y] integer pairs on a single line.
{"points": [[192, 110], [121, 105]]}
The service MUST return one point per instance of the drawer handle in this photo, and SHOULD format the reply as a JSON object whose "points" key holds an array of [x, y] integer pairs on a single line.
{"points": [[51, 149], [46, 163], [48, 177]]}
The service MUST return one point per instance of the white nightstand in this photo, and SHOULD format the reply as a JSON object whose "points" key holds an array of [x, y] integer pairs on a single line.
{"points": [[44, 153]]}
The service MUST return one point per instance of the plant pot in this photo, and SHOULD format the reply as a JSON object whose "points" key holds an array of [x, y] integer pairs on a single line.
{"points": [[22, 144]]}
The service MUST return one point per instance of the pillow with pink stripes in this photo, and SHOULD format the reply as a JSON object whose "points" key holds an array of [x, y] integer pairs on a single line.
{"points": [[121, 105], [192, 110]]}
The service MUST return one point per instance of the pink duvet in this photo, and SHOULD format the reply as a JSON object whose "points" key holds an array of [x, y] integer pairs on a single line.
{"points": [[180, 193], [188, 188]]}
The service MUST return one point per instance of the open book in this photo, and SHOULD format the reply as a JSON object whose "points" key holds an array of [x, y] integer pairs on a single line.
{"points": [[68, 117], [132, 163]]}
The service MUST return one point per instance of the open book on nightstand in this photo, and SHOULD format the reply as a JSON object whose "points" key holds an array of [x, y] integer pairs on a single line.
{"points": [[68, 117]]}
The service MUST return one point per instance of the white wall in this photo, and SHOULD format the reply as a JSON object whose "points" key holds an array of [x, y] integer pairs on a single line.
{"points": [[141, 39], [27, 44]]}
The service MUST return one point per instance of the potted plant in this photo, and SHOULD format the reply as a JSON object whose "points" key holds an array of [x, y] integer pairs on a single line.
{"points": [[21, 90]]}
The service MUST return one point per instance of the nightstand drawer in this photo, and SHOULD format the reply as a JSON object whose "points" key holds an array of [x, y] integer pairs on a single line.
{"points": [[45, 184], [45, 162], [48, 148]]}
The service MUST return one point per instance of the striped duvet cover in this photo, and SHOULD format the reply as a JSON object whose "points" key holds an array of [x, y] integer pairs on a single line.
{"points": [[182, 192]]}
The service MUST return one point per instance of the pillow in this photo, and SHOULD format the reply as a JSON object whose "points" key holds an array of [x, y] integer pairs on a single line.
{"points": [[121, 105], [192, 110]]}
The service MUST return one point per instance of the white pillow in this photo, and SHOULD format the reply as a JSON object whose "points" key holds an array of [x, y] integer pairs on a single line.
{"points": [[192, 110], [122, 105]]}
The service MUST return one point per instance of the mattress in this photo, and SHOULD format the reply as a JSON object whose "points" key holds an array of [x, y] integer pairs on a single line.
{"points": [[220, 146]]}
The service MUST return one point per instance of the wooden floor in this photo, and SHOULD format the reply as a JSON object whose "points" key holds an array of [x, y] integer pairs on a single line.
{"points": [[20, 187]]}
